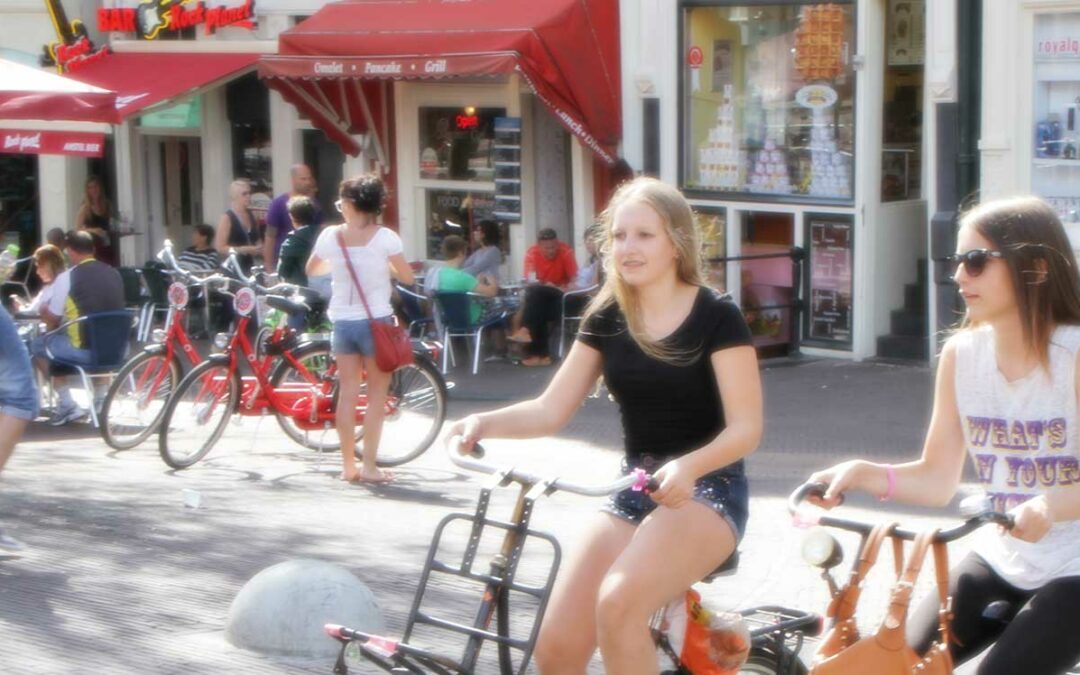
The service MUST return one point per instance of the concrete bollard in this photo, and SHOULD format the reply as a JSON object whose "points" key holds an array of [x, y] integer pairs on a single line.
{"points": [[282, 609]]}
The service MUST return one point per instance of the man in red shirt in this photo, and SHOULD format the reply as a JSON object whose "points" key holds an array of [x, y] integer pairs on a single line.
{"points": [[550, 260], [550, 268]]}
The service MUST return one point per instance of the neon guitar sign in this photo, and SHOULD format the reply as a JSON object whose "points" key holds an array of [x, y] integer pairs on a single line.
{"points": [[73, 47]]}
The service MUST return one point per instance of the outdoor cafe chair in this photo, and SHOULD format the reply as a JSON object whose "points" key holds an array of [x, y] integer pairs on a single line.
{"points": [[574, 319], [20, 279], [108, 336], [453, 312], [417, 309]]}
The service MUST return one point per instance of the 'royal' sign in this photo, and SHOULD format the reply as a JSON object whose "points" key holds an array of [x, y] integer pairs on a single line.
{"points": [[154, 17], [79, 144]]}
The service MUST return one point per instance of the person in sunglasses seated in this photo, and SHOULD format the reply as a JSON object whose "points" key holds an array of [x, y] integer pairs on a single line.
{"points": [[1006, 394]]}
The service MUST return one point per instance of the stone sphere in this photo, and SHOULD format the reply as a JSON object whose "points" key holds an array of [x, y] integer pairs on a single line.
{"points": [[282, 609]]}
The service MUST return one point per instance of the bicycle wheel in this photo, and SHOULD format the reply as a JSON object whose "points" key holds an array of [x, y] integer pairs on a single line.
{"points": [[262, 338], [416, 409], [197, 413], [319, 362], [136, 399], [764, 661]]}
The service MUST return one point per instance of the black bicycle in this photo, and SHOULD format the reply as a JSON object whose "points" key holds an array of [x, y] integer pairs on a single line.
{"points": [[776, 632]]}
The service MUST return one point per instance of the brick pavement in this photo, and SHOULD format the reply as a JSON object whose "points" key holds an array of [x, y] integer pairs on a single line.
{"points": [[121, 578]]}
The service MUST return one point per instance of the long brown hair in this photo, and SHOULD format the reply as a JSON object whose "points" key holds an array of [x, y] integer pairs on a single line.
{"points": [[681, 228], [1041, 263]]}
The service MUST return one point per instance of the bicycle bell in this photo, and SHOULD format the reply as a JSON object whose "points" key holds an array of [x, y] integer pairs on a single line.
{"points": [[820, 549]]}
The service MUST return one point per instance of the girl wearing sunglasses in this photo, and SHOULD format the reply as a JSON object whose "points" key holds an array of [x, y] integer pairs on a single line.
{"points": [[1006, 394]]}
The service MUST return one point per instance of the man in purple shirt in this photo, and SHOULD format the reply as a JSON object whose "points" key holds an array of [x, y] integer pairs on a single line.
{"points": [[278, 224]]}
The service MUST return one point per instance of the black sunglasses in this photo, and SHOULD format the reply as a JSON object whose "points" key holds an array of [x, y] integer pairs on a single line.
{"points": [[974, 261]]}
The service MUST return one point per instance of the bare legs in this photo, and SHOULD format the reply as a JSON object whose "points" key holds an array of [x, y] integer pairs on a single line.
{"points": [[11, 429], [351, 371], [622, 575]]}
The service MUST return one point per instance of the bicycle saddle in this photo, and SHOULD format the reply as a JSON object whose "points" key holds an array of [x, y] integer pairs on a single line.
{"points": [[726, 568], [286, 305]]}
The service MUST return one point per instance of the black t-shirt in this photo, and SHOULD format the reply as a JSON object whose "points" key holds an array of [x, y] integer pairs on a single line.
{"points": [[668, 410]]}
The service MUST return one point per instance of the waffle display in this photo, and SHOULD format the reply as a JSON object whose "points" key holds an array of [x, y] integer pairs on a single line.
{"points": [[819, 42]]}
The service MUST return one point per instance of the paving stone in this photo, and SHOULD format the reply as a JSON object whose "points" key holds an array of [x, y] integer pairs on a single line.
{"points": [[120, 577]]}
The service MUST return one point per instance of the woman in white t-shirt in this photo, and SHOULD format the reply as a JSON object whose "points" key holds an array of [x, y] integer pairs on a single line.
{"points": [[48, 264], [1006, 394], [375, 252]]}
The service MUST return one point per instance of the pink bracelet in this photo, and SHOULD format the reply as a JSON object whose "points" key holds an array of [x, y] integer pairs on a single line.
{"points": [[890, 475]]}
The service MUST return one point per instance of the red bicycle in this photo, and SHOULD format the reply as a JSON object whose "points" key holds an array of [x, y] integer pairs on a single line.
{"points": [[295, 380], [137, 397]]}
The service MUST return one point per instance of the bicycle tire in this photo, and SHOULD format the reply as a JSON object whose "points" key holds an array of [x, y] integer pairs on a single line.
{"points": [[168, 440], [421, 385], [314, 440], [114, 421], [764, 661], [262, 338]]}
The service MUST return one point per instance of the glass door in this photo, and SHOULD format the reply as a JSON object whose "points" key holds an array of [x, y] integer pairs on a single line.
{"points": [[175, 169]]}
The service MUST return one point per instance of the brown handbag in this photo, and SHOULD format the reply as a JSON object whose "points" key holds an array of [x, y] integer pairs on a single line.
{"points": [[393, 348], [843, 631], [887, 652]]}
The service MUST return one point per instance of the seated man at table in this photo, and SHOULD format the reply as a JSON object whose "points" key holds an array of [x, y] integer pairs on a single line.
{"points": [[452, 279], [87, 287], [550, 268]]}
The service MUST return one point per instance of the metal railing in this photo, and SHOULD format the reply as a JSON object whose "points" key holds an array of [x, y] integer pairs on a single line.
{"points": [[797, 306]]}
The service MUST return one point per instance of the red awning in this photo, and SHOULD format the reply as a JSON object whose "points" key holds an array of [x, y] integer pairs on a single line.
{"points": [[30, 94], [144, 79], [335, 64]]}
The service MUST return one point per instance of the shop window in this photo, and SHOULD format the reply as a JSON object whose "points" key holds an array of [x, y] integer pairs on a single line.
{"points": [[712, 223], [829, 279], [457, 143], [768, 100], [19, 204], [905, 51], [248, 105], [1055, 174], [459, 212], [768, 279]]}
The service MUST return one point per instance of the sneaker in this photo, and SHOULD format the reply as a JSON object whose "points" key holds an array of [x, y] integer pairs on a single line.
{"points": [[10, 543], [64, 415]]}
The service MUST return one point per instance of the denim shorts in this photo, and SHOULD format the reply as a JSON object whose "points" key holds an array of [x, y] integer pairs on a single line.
{"points": [[724, 491], [353, 336], [18, 388]]}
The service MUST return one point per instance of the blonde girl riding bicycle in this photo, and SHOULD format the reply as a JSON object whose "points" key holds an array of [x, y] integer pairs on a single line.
{"points": [[1006, 394], [676, 356]]}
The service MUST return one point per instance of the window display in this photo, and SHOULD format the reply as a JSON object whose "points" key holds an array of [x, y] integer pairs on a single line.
{"points": [[1055, 172], [829, 278], [769, 100], [712, 223], [457, 143], [902, 112], [456, 212]]}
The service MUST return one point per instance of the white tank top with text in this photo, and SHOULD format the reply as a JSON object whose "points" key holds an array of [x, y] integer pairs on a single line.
{"points": [[1022, 438]]}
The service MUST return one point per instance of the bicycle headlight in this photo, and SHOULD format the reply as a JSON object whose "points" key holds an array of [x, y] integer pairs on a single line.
{"points": [[221, 340], [157, 336], [820, 549]]}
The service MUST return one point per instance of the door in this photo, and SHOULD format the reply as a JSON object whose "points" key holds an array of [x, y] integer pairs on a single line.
{"points": [[174, 166]]}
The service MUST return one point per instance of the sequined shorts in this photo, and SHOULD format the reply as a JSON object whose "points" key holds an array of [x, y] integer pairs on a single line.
{"points": [[723, 491]]}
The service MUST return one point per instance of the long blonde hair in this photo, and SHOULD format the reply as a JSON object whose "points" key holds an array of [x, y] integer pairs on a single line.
{"points": [[681, 228]]}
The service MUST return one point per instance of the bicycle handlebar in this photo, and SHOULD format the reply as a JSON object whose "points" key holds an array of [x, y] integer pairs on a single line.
{"points": [[973, 523], [639, 480]]}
